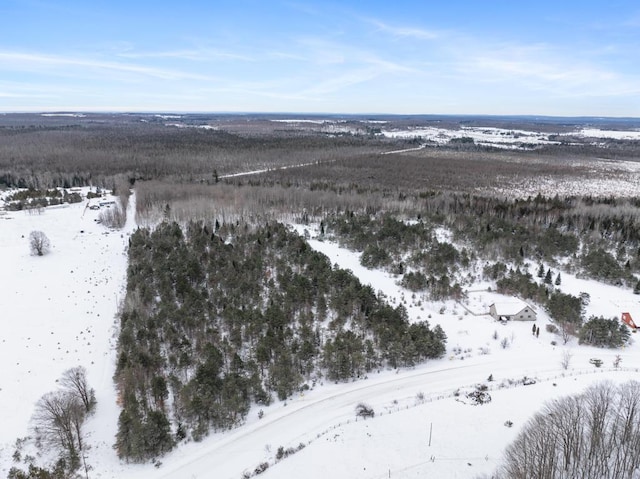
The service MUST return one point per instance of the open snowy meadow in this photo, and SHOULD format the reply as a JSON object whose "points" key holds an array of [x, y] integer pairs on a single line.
{"points": [[60, 311]]}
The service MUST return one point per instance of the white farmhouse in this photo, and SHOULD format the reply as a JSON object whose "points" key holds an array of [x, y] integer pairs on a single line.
{"points": [[513, 308]]}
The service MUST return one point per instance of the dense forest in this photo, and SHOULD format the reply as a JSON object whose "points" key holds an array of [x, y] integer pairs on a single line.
{"points": [[594, 237], [67, 151], [220, 317], [93, 153]]}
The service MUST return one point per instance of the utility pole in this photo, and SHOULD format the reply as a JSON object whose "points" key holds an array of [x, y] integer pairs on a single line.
{"points": [[430, 432]]}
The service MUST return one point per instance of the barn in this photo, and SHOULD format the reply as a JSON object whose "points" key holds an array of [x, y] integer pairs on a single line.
{"points": [[513, 309]]}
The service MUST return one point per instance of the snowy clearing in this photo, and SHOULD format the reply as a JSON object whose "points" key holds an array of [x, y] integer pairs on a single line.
{"points": [[487, 136], [614, 134], [504, 138]]}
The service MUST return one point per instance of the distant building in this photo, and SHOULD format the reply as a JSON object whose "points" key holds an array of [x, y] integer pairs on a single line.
{"points": [[513, 309], [628, 320]]}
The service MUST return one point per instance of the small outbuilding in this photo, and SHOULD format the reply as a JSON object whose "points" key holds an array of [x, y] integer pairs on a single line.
{"points": [[513, 309], [628, 320]]}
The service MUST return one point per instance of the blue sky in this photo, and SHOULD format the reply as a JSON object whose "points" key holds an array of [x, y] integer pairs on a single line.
{"points": [[565, 58]]}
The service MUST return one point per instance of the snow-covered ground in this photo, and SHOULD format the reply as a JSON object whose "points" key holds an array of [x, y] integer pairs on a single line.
{"points": [[60, 311], [73, 115], [613, 134], [503, 138], [486, 136], [183, 125]]}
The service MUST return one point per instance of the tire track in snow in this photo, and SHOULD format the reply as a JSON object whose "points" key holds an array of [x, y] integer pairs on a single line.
{"points": [[232, 442]]}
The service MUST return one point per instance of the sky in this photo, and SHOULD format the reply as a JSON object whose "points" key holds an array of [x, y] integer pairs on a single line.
{"points": [[569, 58]]}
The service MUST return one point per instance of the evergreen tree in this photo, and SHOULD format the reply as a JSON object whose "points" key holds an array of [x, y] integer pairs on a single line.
{"points": [[157, 434], [213, 325], [565, 308], [541, 271], [558, 280], [548, 279], [602, 332], [129, 436]]}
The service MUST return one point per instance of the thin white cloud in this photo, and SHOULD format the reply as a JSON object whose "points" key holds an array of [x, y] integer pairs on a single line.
{"points": [[323, 52], [404, 31], [340, 82], [7, 94], [541, 67], [467, 59], [256, 92], [31, 61], [194, 54], [287, 56], [387, 66]]}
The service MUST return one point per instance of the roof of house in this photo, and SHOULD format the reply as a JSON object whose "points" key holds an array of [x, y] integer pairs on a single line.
{"points": [[510, 307]]}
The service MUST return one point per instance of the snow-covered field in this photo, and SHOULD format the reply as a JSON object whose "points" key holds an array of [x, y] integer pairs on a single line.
{"points": [[504, 138], [60, 311], [486, 136], [614, 134]]}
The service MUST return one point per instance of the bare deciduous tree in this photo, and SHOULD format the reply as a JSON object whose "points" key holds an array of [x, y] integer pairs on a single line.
{"points": [[39, 244], [115, 217], [566, 359], [59, 416], [74, 380], [592, 436], [567, 331], [58, 422], [122, 188]]}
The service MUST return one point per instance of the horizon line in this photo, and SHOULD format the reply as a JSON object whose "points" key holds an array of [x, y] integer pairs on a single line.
{"points": [[314, 114]]}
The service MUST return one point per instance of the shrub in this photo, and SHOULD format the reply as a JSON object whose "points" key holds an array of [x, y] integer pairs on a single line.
{"points": [[374, 256], [415, 281], [495, 271], [479, 397], [602, 265], [364, 411], [114, 217], [39, 244]]}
